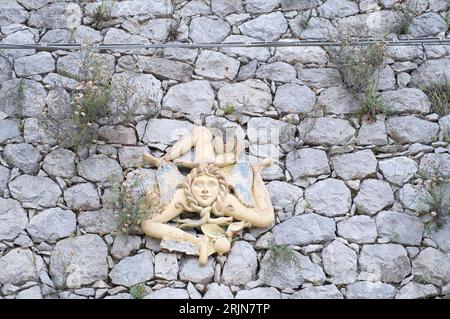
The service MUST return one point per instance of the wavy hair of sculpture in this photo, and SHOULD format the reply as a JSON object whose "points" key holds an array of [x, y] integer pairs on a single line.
{"points": [[192, 204]]}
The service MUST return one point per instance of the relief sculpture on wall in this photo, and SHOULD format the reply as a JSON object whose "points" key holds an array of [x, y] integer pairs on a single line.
{"points": [[224, 194]]}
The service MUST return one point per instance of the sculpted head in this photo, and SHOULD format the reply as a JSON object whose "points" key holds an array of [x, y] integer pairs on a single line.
{"points": [[204, 186], [205, 189]]}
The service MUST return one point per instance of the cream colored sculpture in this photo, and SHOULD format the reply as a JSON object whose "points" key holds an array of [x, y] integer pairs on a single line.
{"points": [[234, 193]]}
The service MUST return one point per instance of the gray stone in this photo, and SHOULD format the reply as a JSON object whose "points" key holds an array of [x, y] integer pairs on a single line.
{"points": [[374, 24], [123, 246], [259, 6], [410, 129], [265, 130], [338, 100], [276, 71], [22, 97], [218, 291], [133, 270], [388, 262], [216, 66], [326, 130], [54, 80], [260, 54], [294, 98], [193, 8], [100, 168], [225, 7], [414, 197], [337, 8], [287, 5], [250, 96], [56, 36], [87, 35], [259, 293], [370, 290], [406, 100], [99, 222], [224, 128], [56, 15], [267, 27], [359, 229], [73, 65], [120, 296], [165, 69], [316, 28], [432, 266], [240, 267], [168, 293], [301, 54], [142, 7], [38, 63], [5, 69], [4, 178], [427, 24], [52, 224], [289, 269], [119, 36], [13, 219], [432, 73], [446, 289], [307, 162], [441, 235], [118, 135], [156, 29], [413, 290], [404, 53], [132, 156], [9, 129], [82, 196], [284, 195], [179, 247], [20, 266], [192, 271], [444, 123], [181, 54], [192, 98], [319, 78], [400, 228], [356, 165], [19, 37], [37, 190], [398, 170], [79, 261], [23, 156], [30, 293], [60, 163], [386, 79], [135, 93], [320, 292], [304, 229], [33, 133], [340, 263], [372, 133], [156, 136], [435, 165], [12, 13], [205, 30], [329, 197], [373, 196], [166, 266]]}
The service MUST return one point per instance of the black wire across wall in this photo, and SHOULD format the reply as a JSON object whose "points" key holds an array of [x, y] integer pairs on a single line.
{"points": [[299, 43]]}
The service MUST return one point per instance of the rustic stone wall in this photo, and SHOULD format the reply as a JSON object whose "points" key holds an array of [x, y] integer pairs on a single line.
{"points": [[355, 199]]}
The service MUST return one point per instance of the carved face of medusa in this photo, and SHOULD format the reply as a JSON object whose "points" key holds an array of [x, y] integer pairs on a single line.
{"points": [[205, 189]]}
